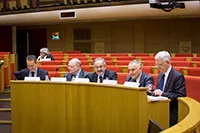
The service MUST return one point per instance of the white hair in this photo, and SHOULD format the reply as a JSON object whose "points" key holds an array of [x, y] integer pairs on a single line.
{"points": [[164, 55], [76, 60], [136, 62], [100, 59], [45, 50]]}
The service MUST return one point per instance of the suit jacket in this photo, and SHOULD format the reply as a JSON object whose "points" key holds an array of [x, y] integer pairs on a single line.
{"points": [[20, 75], [111, 75], [50, 56], [83, 74], [145, 80], [174, 88]]}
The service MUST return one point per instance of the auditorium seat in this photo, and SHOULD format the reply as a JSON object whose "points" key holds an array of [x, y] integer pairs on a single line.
{"points": [[6, 82], [79, 57], [181, 63], [178, 59], [121, 58], [57, 52], [180, 69], [122, 62], [87, 68], [195, 59], [53, 74], [192, 87], [121, 77], [147, 69], [155, 77], [114, 68], [119, 54], [148, 63], [53, 67], [59, 58], [193, 71], [105, 57], [55, 62], [144, 58]]}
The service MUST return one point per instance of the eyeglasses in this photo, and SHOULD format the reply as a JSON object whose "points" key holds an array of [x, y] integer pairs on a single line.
{"points": [[159, 64], [97, 67]]}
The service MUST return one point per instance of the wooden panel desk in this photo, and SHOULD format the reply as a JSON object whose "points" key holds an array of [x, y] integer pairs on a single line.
{"points": [[49, 107]]}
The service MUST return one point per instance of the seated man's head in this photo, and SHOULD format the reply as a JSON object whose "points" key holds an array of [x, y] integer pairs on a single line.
{"points": [[31, 62], [162, 59], [135, 68], [44, 52], [74, 66], [99, 66]]}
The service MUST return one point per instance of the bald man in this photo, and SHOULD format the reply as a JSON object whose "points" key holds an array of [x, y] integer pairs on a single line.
{"points": [[75, 70]]}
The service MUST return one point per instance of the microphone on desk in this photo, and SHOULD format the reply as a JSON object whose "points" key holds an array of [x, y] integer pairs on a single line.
{"points": [[56, 72]]}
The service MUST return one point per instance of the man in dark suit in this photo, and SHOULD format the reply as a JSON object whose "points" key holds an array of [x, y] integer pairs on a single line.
{"points": [[136, 75], [101, 72], [75, 70], [170, 84], [45, 54], [32, 70]]}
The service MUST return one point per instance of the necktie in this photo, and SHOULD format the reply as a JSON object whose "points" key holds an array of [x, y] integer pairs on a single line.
{"points": [[32, 74], [162, 82], [100, 79], [133, 80]]}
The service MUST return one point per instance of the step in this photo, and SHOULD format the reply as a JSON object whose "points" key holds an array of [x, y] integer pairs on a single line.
{"points": [[5, 109], [5, 100], [6, 92], [5, 122]]}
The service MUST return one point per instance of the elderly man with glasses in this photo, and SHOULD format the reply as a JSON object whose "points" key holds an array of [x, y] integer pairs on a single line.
{"points": [[171, 83]]}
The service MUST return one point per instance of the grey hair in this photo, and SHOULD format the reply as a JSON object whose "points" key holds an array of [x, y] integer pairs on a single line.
{"points": [[164, 55], [101, 59], [31, 58], [76, 60], [138, 63], [45, 50]]}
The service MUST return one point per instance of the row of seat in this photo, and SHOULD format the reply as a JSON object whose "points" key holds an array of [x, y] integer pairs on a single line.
{"points": [[123, 62], [65, 57], [123, 54], [192, 71]]}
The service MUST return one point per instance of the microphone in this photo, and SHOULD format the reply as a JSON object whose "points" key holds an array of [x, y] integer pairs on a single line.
{"points": [[56, 72]]}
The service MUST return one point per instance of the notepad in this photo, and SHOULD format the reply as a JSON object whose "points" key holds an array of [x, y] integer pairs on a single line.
{"points": [[110, 82], [157, 98], [32, 79], [131, 84], [81, 80], [58, 79]]}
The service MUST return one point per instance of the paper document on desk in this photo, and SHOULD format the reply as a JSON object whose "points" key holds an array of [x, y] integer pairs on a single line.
{"points": [[157, 98]]}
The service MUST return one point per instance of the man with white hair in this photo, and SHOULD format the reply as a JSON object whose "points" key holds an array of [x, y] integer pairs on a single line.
{"points": [[44, 54], [75, 70], [136, 75], [170, 84]]}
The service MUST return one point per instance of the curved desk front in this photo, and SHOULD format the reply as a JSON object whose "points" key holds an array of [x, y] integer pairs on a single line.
{"points": [[50, 107]]}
